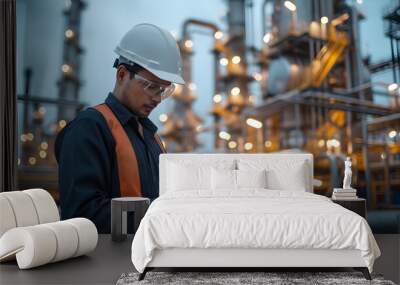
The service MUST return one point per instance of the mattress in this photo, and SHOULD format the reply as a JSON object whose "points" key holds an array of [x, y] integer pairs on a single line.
{"points": [[251, 219]]}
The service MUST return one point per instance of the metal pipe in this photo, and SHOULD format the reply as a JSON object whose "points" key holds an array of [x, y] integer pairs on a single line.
{"points": [[188, 22], [325, 105], [393, 56], [250, 23], [185, 35], [364, 87], [364, 126], [319, 100], [350, 89], [344, 99], [216, 91], [28, 76], [383, 120], [298, 118], [263, 17], [334, 177], [44, 100], [349, 117], [337, 106], [398, 55], [386, 175]]}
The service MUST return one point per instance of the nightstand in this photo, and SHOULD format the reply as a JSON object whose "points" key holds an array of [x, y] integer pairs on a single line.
{"points": [[119, 209], [357, 205]]}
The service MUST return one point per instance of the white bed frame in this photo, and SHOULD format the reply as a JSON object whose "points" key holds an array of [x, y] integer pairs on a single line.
{"points": [[249, 257]]}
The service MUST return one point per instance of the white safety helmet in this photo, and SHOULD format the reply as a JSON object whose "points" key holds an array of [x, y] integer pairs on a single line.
{"points": [[154, 49]]}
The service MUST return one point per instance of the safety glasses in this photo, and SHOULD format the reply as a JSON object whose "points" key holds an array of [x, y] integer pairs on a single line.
{"points": [[154, 89]]}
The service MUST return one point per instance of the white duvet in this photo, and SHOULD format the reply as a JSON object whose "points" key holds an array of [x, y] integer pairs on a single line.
{"points": [[253, 218]]}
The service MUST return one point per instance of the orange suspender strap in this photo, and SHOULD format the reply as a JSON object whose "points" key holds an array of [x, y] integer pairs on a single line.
{"points": [[157, 137], [128, 169]]}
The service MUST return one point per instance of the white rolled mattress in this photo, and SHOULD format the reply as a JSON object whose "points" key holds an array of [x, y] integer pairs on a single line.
{"points": [[46, 243], [26, 208], [31, 231]]}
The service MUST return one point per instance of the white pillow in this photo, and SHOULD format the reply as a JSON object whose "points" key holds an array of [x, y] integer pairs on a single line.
{"points": [[228, 179], [279, 181], [223, 179], [183, 177], [281, 174], [251, 178], [193, 175]]}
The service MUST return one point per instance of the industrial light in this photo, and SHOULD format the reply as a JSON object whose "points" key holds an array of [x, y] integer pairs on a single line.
{"points": [[69, 33], [290, 5], [321, 143], [199, 128], [188, 44], [383, 156], [66, 68], [267, 37], [336, 143], [359, 2], [324, 20], [192, 86], [32, 160], [392, 134], [224, 135], [223, 61], [332, 143], [254, 123], [232, 144], [236, 59], [62, 123], [257, 76], [251, 99], [42, 110], [163, 118], [248, 146], [268, 144], [42, 154], [218, 35], [235, 91], [217, 98], [23, 138], [44, 145], [30, 136], [392, 87]]}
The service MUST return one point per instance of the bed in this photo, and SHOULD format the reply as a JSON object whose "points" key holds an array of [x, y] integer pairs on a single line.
{"points": [[246, 211]]}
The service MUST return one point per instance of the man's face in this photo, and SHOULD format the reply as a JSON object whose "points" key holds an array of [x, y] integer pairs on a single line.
{"points": [[133, 94]]}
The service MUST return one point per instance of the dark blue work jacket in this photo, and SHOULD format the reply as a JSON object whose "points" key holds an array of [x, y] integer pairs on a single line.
{"points": [[88, 171]]}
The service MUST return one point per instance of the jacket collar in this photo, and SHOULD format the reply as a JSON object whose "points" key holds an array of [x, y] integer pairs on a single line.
{"points": [[124, 115]]}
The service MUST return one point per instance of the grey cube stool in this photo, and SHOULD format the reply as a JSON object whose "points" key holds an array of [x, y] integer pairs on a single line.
{"points": [[119, 209]]}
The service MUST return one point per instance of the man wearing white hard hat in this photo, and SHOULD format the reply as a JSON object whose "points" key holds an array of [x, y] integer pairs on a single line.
{"points": [[112, 149]]}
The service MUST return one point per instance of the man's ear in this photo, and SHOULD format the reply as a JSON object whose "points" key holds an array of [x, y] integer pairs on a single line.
{"points": [[121, 73]]}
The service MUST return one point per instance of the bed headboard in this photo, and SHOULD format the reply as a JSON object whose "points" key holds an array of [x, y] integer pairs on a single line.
{"points": [[206, 157]]}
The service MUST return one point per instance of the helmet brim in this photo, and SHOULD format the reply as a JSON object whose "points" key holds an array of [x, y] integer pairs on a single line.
{"points": [[171, 77]]}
